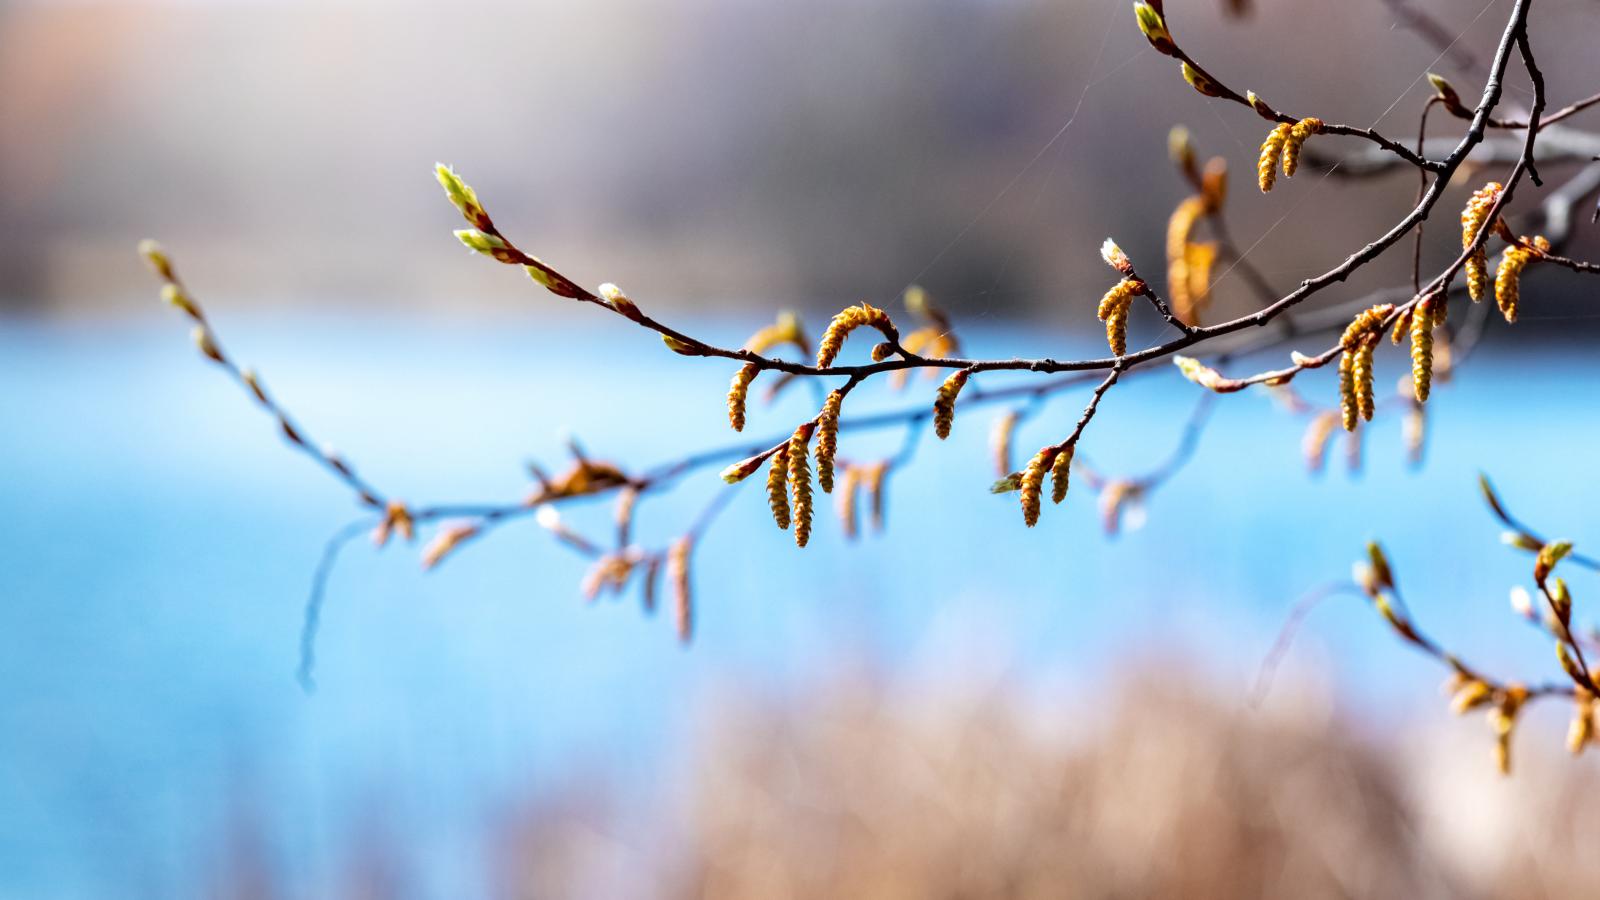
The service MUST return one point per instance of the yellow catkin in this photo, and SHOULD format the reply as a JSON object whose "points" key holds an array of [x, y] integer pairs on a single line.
{"points": [[1473, 218], [1179, 279], [1348, 409], [1502, 721], [1181, 226], [1508, 281], [396, 520], [1113, 311], [828, 439], [1271, 155], [739, 392], [786, 330], [845, 503], [1402, 327], [847, 321], [609, 574], [1355, 365], [1314, 444], [1198, 261], [1422, 320], [1178, 288], [1000, 442], [682, 596], [918, 341], [777, 483], [1033, 484], [1120, 295], [1468, 694], [1297, 137], [1060, 474], [1117, 332], [944, 405], [1508, 277], [800, 483], [1365, 404]]}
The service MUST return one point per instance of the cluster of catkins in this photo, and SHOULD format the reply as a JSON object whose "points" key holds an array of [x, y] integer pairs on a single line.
{"points": [[789, 472], [1282, 150]]}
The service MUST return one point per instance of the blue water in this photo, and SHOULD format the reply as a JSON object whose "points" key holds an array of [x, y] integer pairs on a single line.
{"points": [[158, 541]]}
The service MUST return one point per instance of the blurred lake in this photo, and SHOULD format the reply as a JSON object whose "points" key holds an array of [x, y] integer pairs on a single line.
{"points": [[159, 541]]}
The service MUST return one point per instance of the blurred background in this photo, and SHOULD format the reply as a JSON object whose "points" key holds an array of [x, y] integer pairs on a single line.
{"points": [[959, 706]]}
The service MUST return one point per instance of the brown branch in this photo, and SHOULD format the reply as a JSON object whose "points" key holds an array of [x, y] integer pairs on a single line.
{"points": [[1223, 339]]}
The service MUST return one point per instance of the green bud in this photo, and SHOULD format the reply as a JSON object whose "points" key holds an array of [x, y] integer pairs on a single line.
{"points": [[619, 301], [1380, 565], [1154, 28], [1521, 540], [1180, 147], [1261, 107], [1561, 599], [206, 344], [1200, 82], [462, 196], [1493, 499], [157, 258], [477, 240], [682, 348], [1445, 90], [1006, 485], [177, 299], [1552, 553], [1568, 664], [916, 299], [742, 469]]}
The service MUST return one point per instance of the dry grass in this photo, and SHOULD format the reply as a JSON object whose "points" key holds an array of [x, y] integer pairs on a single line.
{"points": [[1169, 791]]}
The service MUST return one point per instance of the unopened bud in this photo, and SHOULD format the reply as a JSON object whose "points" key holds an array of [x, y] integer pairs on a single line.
{"points": [[1549, 555], [206, 344], [1446, 91], [1380, 565], [1180, 147], [743, 469], [1261, 107], [682, 348], [480, 241], [1115, 258], [619, 301], [1200, 82], [1154, 28], [1521, 540], [463, 197], [177, 299], [157, 258]]}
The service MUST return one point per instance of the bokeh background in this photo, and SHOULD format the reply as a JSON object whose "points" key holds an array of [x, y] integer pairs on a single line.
{"points": [[958, 706]]}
